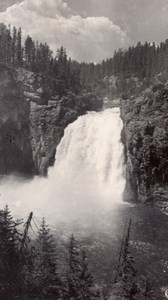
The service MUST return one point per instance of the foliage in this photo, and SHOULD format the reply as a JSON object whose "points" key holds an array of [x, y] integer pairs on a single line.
{"points": [[46, 277], [141, 62], [80, 283], [59, 73], [10, 258], [125, 285], [33, 272]]}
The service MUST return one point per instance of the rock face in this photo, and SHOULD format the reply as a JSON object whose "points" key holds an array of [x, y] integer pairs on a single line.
{"points": [[115, 87], [15, 144], [145, 136], [126, 86], [32, 124]]}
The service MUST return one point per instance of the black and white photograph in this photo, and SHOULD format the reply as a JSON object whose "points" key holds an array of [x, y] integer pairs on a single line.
{"points": [[83, 149]]}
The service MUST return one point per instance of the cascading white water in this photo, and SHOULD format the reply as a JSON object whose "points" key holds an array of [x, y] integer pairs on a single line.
{"points": [[86, 178]]}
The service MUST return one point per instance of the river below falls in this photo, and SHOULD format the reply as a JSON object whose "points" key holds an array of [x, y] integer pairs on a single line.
{"points": [[83, 194]]}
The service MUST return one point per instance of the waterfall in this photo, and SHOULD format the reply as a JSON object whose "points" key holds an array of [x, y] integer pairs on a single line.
{"points": [[87, 176]]}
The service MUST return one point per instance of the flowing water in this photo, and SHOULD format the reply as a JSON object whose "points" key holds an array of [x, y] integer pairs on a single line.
{"points": [[83, 194], [88, 175]]}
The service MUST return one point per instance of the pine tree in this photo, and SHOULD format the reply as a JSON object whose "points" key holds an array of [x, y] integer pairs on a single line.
{"points": [[87, 289], [62, 65], [28, 51], [9, 46], [74, 270], [10, 260], [3, 43], [79, 279], [47, 279], [29, 256], [14, 46], [19, 51], [125, 282]]}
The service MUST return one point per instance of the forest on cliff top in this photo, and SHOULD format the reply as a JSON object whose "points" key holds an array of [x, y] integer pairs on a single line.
{"points": [[60, 73]]}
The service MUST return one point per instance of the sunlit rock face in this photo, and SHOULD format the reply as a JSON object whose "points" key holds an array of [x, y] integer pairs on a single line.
{"points": [[145, 136], [32, 123]]}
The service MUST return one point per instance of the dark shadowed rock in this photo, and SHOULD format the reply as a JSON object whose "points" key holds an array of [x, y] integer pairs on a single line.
{"points": [[145, 136], [15, 142]]}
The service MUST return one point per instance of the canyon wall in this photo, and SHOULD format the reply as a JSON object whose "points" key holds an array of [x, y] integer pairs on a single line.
{"points": [[145, 136], [32, 123]]}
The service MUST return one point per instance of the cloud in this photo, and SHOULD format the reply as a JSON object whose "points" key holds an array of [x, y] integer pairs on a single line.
{"points": [[52, 21], [5, 3], [149, 21], [49, 8], [143, 20]]}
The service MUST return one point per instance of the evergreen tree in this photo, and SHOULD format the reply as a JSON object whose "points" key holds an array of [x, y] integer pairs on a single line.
{"points": [[87, 289], [125, 282], [62, 80], [9, 45], [14, 46], [79, 280], [74, 270], [4, 43], [29, 256], [48, 283], [19, 49], [10, 260], [29, 52]]}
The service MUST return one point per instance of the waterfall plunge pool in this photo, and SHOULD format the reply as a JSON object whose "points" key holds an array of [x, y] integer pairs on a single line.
{"points": [[83, 195]]}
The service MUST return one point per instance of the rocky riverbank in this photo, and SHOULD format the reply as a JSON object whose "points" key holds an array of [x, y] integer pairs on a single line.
{"points": [[32, 123], [145, 136]]}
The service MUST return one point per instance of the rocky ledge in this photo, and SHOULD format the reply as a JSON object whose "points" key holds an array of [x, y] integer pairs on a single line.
{"points": [[145, 136], [32, 123]]}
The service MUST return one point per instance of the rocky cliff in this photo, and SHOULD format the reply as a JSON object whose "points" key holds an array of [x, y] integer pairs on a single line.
{"points": [[32, 123], [126, 86], [145, 136]]}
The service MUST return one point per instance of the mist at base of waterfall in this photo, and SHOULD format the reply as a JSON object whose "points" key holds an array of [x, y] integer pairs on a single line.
{"points": [[86, 181]]}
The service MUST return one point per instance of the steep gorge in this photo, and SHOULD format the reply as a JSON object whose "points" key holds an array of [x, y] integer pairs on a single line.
{"points": [[31, 123]]}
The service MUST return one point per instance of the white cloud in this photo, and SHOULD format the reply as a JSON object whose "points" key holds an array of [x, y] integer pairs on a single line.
{"points": [[49, 8], [51, 21]]}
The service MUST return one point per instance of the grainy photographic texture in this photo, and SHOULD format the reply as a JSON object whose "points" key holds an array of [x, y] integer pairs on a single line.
{"points": [[83, 149]]}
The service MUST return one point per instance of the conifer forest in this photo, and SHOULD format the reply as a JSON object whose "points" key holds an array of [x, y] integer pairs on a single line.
{"points": [[58, 115]]}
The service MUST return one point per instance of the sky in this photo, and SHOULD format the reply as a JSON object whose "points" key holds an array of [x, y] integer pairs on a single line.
{"points": [[90, 30]]}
